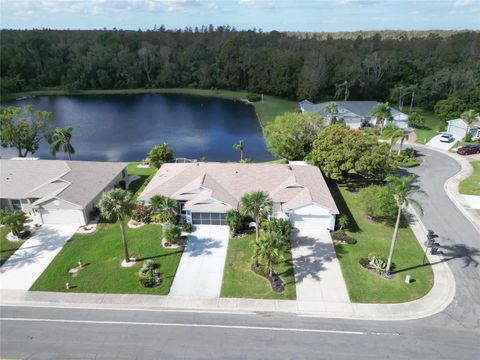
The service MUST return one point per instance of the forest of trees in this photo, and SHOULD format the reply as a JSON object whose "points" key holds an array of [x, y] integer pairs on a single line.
{"points": [[275, 63]]}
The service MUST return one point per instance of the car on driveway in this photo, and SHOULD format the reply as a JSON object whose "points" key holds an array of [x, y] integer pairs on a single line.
{"points": [[446, 138], [469, 149]]}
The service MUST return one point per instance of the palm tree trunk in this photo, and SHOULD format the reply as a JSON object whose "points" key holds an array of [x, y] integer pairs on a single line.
{"points": [[394, 239], [69, 156], [124, 239], [401, 145], [411, 102], [241, 155], [257, 234]]}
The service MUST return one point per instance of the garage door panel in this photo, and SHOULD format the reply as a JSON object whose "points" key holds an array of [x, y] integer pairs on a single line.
{"points": [[310, 221], [456, 131], [62, 216]]}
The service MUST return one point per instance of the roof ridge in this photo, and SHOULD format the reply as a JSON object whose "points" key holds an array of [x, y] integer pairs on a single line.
{"points": [[59, 177]]}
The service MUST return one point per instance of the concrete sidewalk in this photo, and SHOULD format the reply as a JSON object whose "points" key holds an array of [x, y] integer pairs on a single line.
{"points": [[434, 302], [29, 261]]}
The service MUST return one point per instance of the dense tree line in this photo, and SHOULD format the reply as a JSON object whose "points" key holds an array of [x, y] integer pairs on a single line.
{"points": [[273, 63]]}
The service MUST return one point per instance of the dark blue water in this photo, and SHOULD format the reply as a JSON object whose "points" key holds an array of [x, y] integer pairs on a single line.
{"points": [[126, 127]]}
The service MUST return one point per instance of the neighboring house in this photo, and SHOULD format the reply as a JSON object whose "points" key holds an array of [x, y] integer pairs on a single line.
{"points": [[355, 113], [56, 191], [206, 191], [459, 128]]}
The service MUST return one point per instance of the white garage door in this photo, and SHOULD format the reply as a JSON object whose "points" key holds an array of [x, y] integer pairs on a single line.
{"points": [[456, 131], [62, 216], [310, 221]]}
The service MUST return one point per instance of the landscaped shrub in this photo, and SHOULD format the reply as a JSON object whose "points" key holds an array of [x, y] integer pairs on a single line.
{"points": [[14, 220], [407, 158], [375, 262], [379, 203], [280, 226], [25, 234], [172, 233], [187, 227], [149, 276], [254, 97], [342, 236], [235, 222], [468, 137], [142, 213]]}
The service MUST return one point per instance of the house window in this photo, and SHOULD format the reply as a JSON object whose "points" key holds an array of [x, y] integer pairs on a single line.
{"points": [[180, 205], [208, 219], [16, 204]]}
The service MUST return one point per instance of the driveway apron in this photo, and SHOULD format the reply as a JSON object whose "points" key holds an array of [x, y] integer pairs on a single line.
{"points": [[200, 271], [318, 276], [27, 263]]}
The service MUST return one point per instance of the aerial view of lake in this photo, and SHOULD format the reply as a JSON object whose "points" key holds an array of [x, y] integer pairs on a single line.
{"points": [[126, 127]]}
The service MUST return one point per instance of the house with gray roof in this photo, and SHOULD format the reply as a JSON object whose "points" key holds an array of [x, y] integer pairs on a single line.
{"points": [[56, 191], [206, 191], [355, 113], [459, 128]]}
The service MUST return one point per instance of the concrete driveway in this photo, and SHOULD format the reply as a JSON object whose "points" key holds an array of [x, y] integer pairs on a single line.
{"points": [[318, 277], [27, 263], [200, 271], [436, 143]]}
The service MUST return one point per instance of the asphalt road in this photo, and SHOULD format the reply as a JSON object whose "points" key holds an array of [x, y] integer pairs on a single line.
{"points": [[55, 333]]}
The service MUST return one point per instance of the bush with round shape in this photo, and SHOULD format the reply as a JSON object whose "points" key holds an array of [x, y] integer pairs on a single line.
{"points": [[172, 233]]}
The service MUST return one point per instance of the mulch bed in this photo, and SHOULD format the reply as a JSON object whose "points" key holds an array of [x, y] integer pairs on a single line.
{"points": [[275, 281]]}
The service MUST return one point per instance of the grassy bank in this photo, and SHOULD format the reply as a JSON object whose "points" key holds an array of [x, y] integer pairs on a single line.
{"points": [[365, 286], [240, 281], [431, 126], [7, 248], [471, 185], [272, 106]]}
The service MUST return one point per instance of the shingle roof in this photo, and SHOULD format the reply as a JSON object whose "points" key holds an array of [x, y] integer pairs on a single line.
{"points": [[362, 108], [77, 182], [292, 185]]}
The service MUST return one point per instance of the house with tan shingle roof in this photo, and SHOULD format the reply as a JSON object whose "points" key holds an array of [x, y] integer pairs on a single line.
{"points": [[206, 191], [56, 191]]}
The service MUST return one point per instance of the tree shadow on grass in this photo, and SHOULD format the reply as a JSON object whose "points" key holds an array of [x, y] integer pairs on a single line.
{"points": [[343, 207], [160, 255], [470, 256], [288, 272]]}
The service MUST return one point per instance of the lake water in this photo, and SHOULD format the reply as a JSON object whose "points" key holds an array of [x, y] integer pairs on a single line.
{"points": [[126, 127]]}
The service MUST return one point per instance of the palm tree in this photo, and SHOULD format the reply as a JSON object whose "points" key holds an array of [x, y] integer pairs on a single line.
{"points": [[116, 205], [382, 112], [165, 206], [270, 249], [240, 146], [258, 204], [469, 116], [331, 109], [14, 220], [395, 134], [60, 140], [402, 190]]}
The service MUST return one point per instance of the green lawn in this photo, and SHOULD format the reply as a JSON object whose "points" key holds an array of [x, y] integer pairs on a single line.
{"points": [[266, 112], [365, 286], [7, 248], [431, 126], [471, 185], [145, 174], [240, 281], [103, 253]]}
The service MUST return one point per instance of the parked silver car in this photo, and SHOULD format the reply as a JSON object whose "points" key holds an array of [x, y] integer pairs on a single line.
{"points": [[446, 138]]}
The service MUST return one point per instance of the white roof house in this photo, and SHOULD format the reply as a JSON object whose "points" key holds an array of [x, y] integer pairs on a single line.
{"points": [[56, 191], [459, 128], [354, 112], [206, 191]]}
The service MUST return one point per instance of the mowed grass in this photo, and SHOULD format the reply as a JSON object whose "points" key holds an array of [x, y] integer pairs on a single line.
{"points": [[102, 252], [365, 286], [471, 185], [146, 174], [239, 281], [7, 248], [431, 126]]}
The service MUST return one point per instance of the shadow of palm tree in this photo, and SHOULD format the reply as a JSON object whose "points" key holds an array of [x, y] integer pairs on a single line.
{"points": [[343, 207], [309, 266], [469, 255], [159, 256], [198, 247]]}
